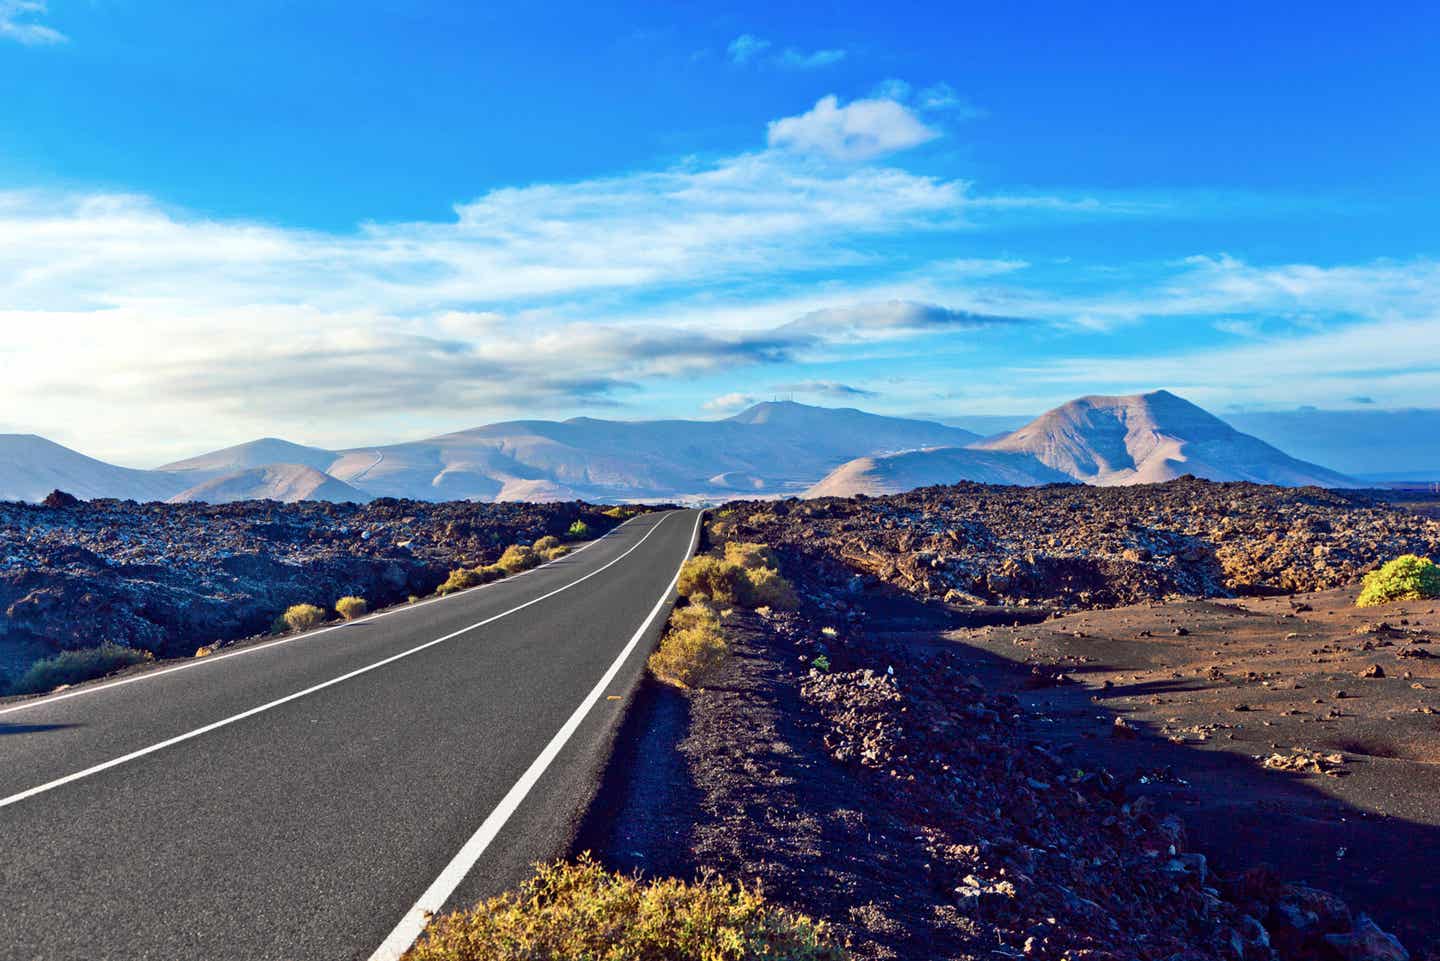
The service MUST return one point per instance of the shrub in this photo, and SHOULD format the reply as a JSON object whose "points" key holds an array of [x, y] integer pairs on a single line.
{"points": [[719, 580], [1408, 577], [302, 617], [488, 573], [546, 544], [72, 667], [693, 646], [518, 558], [578, 530], [351, 607], [766, 588], [820, 663], [580, 910], [462, 578], [555, 553], [751, 556]]}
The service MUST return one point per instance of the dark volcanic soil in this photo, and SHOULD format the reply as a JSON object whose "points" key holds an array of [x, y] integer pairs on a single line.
{"points": [[1107, 782], [1281, 745], [170, 577]]}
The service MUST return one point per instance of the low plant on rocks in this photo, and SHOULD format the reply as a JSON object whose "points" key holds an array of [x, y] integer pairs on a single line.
{"points": [[546, 544], [693, 646], [72, 667], [579, 530], [351, 607], [461, 579], [765, 587], [580, 910], [302, 617], [1408, 577], [517, 558], [721, 581]]}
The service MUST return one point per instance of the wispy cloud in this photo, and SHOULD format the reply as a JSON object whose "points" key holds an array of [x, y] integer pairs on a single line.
{"points": [[857, 131], [830, 389], [727, 403], [748, 49], [17, 23]]}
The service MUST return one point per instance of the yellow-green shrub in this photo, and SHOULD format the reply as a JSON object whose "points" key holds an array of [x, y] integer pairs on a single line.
{"points": [[750, 556], [462, 578], [558, 552], [351, 607], [578, 530], [545, 544], [488, 573], [517, 558], [766, 588], [1408, 577], [570, 912], [719, 580], [302, 617], [693, 646]]}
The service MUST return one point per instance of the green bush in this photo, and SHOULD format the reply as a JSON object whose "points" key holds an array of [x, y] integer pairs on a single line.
{"points": [[578, 530], [351, 607], [302, 617], [1408, 577], [693, 646], [546, 544], [581, 912], [517, 558], [72, 667]]}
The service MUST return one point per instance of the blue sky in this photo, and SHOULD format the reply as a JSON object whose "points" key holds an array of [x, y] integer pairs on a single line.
{"points": [[347, 223]]}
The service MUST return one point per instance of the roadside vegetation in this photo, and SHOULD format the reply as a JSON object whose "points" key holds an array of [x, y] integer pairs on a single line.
{"points": [[1408, 577], [302, 617], [693, 646], [694, 643], [72, 667], [352, 607], [580, 910], [747, 575]]}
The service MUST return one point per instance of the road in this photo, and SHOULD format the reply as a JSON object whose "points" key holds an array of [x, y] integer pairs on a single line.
{"points": [[312, 797]]}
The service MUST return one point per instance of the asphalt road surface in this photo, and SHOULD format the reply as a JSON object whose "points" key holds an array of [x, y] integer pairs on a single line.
{"points": [[313, 797]]}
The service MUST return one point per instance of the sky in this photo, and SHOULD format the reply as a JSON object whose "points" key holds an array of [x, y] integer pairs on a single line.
{"points": [[353, 223]]}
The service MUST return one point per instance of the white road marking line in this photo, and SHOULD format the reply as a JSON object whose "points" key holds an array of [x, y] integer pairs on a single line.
{"points": [[265, 646], [435, 896], [206, 729]]}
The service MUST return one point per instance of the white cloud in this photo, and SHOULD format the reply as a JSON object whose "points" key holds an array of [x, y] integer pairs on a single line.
{"points": [[860, 130], [729, 402], [16, 23], [942, 96], [809, 60], [746, 48]]}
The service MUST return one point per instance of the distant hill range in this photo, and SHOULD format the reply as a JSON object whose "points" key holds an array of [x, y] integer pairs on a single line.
{"points": [[770, 449]]}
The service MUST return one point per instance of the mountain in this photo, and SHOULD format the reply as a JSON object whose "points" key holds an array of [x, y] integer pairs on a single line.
{"points": [[31, 467], [1393, 444], [896, 473], [770, 448], [257, 453], [1154, 437], [278, 482]]}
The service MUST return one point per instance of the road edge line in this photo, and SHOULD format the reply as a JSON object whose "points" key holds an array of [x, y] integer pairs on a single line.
{"points": [[404, 934]]}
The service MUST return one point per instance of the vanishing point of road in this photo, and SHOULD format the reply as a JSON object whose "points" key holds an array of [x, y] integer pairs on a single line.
{"points": [[313, 797]]}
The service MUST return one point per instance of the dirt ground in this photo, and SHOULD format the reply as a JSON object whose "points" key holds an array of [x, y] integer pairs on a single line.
{"points": [[1300, 731]]}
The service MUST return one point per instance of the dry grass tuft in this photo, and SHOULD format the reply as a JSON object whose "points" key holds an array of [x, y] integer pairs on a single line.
{"points": [[302, 617], [352, 607], [581, 911]]}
